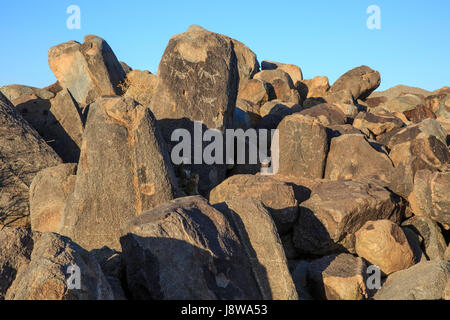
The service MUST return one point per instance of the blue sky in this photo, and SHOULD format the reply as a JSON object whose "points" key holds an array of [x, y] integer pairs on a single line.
{"points": [[322, 37]]}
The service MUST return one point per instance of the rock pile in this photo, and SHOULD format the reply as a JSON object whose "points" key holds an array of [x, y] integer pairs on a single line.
{"points": [[358, 206]]}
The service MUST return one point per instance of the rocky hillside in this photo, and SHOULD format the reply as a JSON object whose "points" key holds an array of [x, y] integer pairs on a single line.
{"points": [[93, 205]]}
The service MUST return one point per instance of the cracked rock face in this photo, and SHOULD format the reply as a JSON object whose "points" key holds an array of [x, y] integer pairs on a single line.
{"points": [[124, 169]]}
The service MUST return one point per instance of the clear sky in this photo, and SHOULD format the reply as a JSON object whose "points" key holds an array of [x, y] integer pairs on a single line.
{"points": [[322, 37]]}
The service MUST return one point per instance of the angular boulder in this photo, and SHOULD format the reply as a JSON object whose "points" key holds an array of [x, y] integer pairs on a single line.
{"points": [[186, 249], [48, 193], [303, 146], [361, 81], [278, 197], [338, 277], [258, 234], [338, 209], [140, 86], [384, 244], [124, 169], [88, 70]]}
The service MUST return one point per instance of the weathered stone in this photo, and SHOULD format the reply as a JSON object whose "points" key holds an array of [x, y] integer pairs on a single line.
{"points": [[415, 242], [361, 81], [399, 90], [447, 253], [314, 88], [23, 153], [258, 234], [255, 91], [338, 277], [16, 245], [424, 281], [336, 210], [48, 193], [140, 86], [197, 81], [34, 110], [124, 169], [424, 129], [64, 126], [279, 107], [277, 197], [351, 156], [419, 114], [403, 103], [282, 87], [126, 68], [327, 114], [294, 71], [15, 91], [89, 70], [303, 146], [434, 242], [45, 276], [186, 249], [384, 244], [377, 124]]}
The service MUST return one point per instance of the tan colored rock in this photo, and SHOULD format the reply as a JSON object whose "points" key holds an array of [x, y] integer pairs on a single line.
{"points": [[124, 169], [45, 277], [255, 91], [336, 210], [277, 197], [294, 71], [361, 81], [315, 87], [376, 124], [351, 156], [89, 70], [327, 114], [34, 110], [399, 90], [16, 91], [259, 236], [140, 86], [338, 277], [281, 82], [48, 193], [384, 244], [303, 146]]}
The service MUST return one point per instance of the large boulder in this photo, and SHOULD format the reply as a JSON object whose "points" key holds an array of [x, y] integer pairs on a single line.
{"points": [[16, 245], [197, 81], [34, 110], [430, 196], [88, 70], [261, 241], [47, 274], [186, 249], [361, 81], [15, 91], [294, 71], [23, 154], [352, 156], [278, 197], [281, 85], [338, 209], [338, 277], [255, 91], [48, 193], [434, 244], [124, 169], [384, 244], [303, 146], [327, 114], [64, 126], [140, 86], [314, 88], [424, 281], [370, 123]]}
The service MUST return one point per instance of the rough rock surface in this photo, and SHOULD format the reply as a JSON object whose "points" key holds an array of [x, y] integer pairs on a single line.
{"points": [[46, 276], [140, 86], [186, 249], [278, 197], [124, 169], [88, 70], [258, 234], [338, 277], [338, 209], [23, 153], [48, 193], [424, 281], [384, 244], [303, 146], [361, 81]]}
